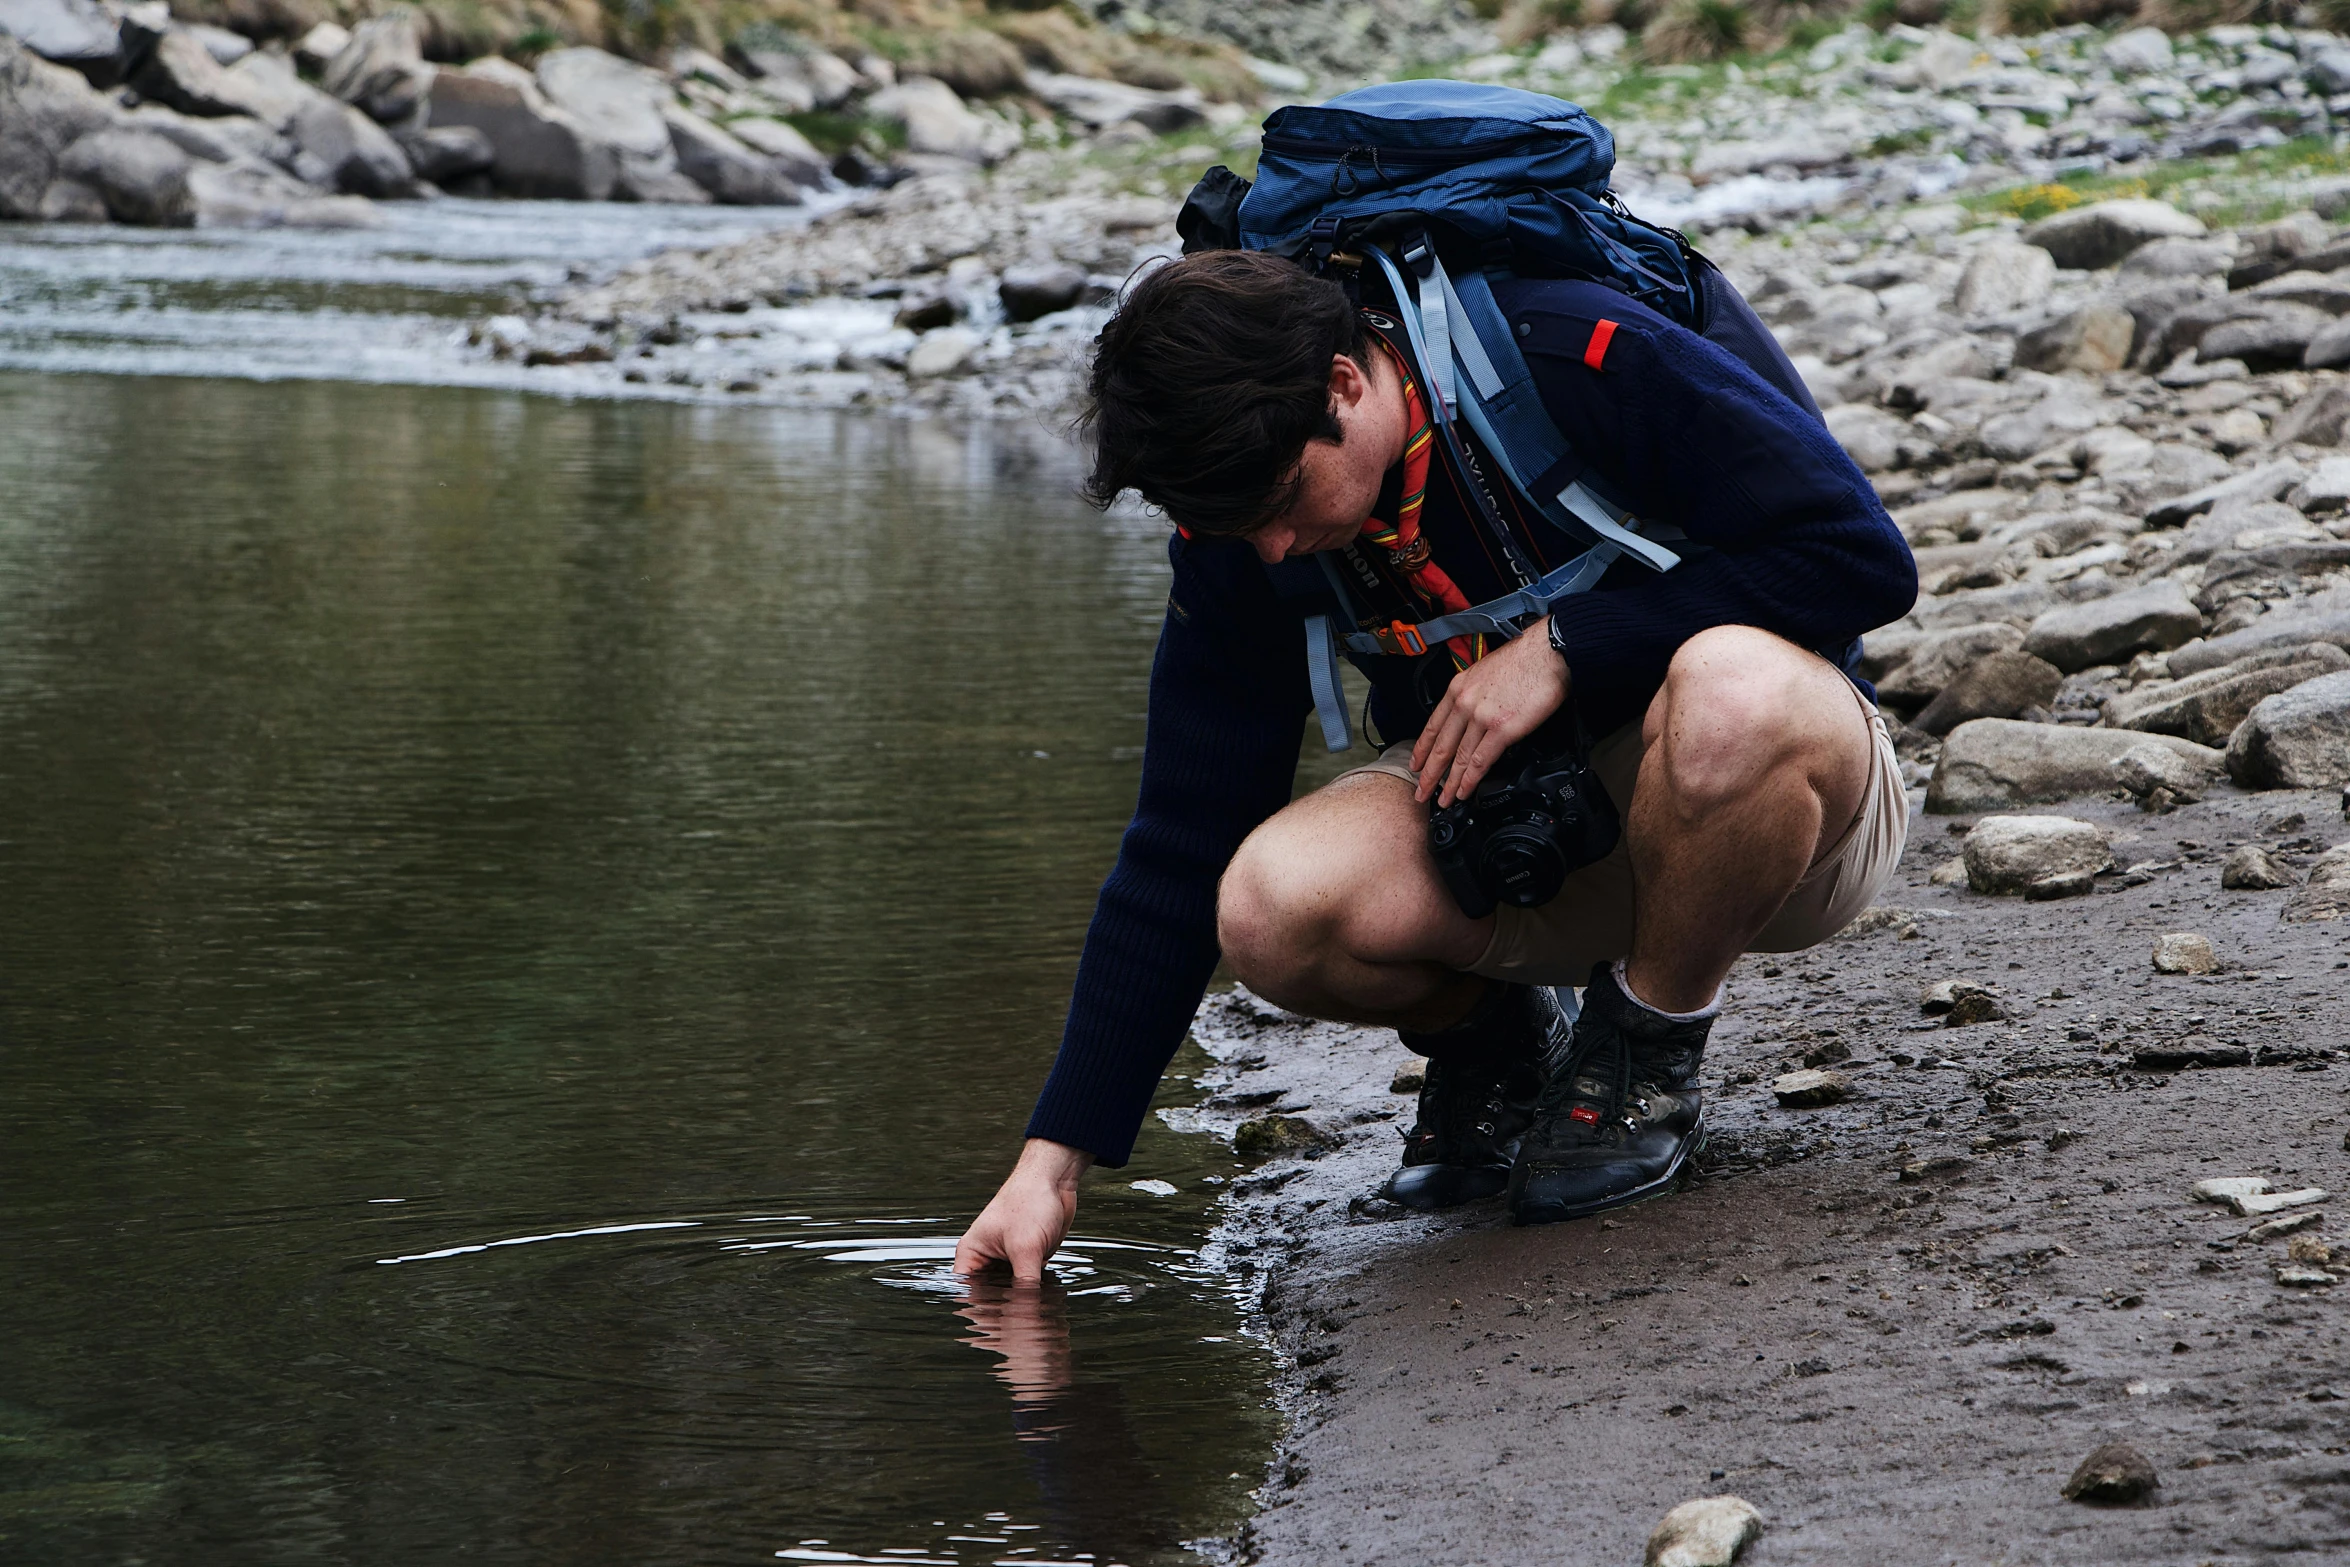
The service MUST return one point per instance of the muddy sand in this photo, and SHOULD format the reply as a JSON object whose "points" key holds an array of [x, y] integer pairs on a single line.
{"points": [[1894, 1324]]}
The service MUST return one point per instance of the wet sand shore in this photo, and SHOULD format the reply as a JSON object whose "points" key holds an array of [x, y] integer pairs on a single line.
{"points": [[1895, 1365]]}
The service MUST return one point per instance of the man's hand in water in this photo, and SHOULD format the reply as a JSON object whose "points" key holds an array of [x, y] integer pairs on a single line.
{"points": [[1030, 1215]]}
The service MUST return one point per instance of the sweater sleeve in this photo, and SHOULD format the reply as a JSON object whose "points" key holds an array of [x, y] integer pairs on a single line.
{"points": [[1681, 432], [1228, 699]]}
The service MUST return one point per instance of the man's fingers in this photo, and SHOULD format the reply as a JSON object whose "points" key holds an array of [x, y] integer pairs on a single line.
{"points": [[1435, 726], [1440, 754], [1027, 1259], [971, 1256]]}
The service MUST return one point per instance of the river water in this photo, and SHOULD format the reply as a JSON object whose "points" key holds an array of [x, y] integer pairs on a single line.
{"points": [[529, 926]]}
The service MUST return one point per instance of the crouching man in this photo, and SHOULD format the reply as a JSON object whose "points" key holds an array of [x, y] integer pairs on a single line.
{"points": [[1761, 807]]}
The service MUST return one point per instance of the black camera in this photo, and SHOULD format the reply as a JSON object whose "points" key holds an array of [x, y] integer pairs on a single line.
{"points": [[1538, 817]]}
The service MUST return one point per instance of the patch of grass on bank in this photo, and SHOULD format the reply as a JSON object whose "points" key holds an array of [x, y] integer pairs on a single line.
{"points": [[2249, 187]]}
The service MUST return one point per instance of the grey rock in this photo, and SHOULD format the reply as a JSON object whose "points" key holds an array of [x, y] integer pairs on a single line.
{"points": [[1871, 437], [1268, 1136], [44, 109], [1994, 763], [2154, 776], [2180, 258], [142, 177], [1028, 292], [316, 49], [2318, 290], [2206, 708], [2008, 854], [2264, 483], [2089, 341], [539, 150], [380, 70], [2328, 71], [180, 73], [1810, 1088], [444, 154], [805, 78], [655, 179], [2141, 51], [2184, 952], [2232, 573], [249, 194], [2274, 339], [1997, 685], [342, 149], [2296, 739], [619, 102], [2002, 278], [225, 47], [2317, 419], [2326, 490], [794, 156], [69, 31], [2103, 232], [944, 352], [2282, 629], [2252, 868], [216, 140], [1937, 656], [2075, 636], [2016, 603], [1709, 1532], [936, 122], [2325, 895], [2115, 1475], [733, 173]]}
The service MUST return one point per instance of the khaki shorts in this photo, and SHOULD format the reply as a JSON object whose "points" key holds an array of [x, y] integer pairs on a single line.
{"points": [[1590, 921]]}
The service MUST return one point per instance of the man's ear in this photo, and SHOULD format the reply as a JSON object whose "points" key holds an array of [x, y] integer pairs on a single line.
{"points": [[1350, 384]]}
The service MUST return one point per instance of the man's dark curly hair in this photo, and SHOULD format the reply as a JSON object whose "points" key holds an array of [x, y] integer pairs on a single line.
{"points": [[1208, 382]]}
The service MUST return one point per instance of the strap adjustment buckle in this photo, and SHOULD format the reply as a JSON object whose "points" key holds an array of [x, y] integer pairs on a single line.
{"points": [[1400, 636]]}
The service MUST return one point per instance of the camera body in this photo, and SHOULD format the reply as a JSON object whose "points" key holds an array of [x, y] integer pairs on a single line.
{"points": [[1538, 817]]}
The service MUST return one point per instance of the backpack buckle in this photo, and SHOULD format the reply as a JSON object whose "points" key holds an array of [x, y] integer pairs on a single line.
{"points": [[1322, 239], [1400, 636]]}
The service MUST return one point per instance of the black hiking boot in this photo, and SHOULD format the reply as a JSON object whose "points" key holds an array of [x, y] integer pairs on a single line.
{"points": [[1484, 1076], [1620, 1119]]}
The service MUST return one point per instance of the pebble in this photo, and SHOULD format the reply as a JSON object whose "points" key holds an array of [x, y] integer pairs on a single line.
{"points": [[1410, 1077], [1711, 1531], [1154, 1188], [1266, 1135], [2114, 1475], [1811, 1088], [2184, 952]]}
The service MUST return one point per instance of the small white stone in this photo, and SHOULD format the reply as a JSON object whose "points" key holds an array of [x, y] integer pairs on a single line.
{"points": [[1709, 1532], [1155, 1188], [943, 352], [2183, 952], [2300, 1275], [2227, 1188]]}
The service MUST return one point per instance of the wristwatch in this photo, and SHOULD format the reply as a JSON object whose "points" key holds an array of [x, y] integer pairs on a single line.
{"points": [[1552, 631]]}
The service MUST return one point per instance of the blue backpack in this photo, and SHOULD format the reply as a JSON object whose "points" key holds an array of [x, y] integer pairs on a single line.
{"points": [[1437, 187]]}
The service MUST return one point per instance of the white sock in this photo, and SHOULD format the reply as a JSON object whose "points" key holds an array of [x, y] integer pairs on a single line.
{"points": [[1712, 1008]]}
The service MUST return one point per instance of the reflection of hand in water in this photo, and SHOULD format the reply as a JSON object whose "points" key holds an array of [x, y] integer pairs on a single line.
{"points": [[1027, 1324], [1100, 1492]]}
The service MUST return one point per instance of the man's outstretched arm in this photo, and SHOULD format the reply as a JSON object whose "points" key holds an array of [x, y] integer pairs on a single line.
{"points": [[1228, 701]]}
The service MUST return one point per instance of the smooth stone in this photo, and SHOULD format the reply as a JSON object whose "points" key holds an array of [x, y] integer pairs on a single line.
{"points": [[2253, 1205], [380, 69], [1811, 1087], [2281, 629], [1991, 764], [2002, 278], [342, 149], [1708, 1532], [618, 101], [944, 352], [2288, 1224], [538, 149], [1029, 292], [2326, 894], [2207, 708], [1997, 685], [2142, 769], [2115, 1474], [2008, 854], [2253, 869], [733, 173], [2157, 616], [2225, 1189], [2295, 739], [2092, 340], [1937, 657], [2184, 952], [2103, 232]]}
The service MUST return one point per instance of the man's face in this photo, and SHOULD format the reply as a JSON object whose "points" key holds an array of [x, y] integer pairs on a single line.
{"points": [[1338, 481]]}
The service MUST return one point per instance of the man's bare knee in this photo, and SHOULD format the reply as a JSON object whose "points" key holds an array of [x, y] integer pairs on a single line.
{"points": [[1737, 705]]}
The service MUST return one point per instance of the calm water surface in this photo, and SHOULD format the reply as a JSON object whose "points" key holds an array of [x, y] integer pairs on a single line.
{"points": [[525, 930]]}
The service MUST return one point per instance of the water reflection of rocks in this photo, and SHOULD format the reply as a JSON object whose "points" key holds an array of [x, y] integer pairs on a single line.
{"points": [[1100, 1493]]}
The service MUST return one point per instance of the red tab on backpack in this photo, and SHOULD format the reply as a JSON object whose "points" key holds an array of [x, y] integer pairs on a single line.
{"points": [[1595, 352]]}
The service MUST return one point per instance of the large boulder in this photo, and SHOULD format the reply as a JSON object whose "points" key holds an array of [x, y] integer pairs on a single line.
{"points": [[2075, 636], [2006, 855], [731, 172], [1100, 104], [794, 156], [79, 33], [1937, 657], [445, 154], [2206, 708], [142, 177], [801, 79], [2277, 338], [44, 109], [249, 194], [1997, 685], [2326, 895], [342, 149], [2089, 341], [180, 73], [2002, 278], [1038, 289], [2102, 233], [538, 149], [936, 122], [380, 70], [619, 101], [1994, 763], [2297, 739], [2281, 629]]}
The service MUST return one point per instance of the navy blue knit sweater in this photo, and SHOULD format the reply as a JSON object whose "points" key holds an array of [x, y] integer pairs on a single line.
{"points": [[1790, 538]]}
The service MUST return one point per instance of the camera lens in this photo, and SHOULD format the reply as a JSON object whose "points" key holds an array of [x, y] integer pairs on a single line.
{"points": [[1523, 865]]}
